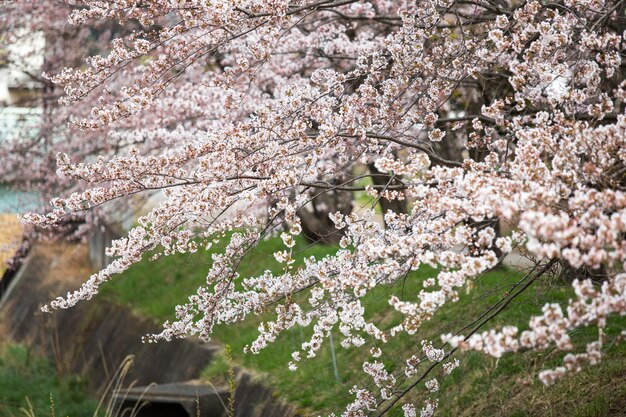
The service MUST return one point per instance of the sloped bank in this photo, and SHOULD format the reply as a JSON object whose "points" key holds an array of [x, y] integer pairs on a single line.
{"points": [[94, 337]]}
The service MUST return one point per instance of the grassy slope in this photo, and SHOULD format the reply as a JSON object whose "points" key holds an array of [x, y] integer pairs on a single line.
{"points": [[481, 386], [24, 375]]}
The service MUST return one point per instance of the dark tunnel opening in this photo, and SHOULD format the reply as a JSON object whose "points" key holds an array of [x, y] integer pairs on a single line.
{"points": [[156, 409]]}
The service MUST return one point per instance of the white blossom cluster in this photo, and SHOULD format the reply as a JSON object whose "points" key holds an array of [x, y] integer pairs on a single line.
{"points": [[553, 327]]}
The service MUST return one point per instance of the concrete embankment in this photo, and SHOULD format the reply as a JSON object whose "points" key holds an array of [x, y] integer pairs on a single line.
{"points": [[94, 337]]}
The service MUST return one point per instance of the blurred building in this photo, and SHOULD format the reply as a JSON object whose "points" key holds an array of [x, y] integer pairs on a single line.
{"points": [[20, 112], [20, 70]]}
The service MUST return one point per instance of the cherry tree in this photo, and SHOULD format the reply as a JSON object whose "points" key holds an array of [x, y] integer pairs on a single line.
{"points": [[454, 116]]}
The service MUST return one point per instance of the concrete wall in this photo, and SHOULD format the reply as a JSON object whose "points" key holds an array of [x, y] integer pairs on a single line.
{"points": [[99, 239], [93, 338]]}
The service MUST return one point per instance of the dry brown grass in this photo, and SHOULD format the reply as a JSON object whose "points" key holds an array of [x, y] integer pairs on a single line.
{"points": [[68, 262], [10, 238]]}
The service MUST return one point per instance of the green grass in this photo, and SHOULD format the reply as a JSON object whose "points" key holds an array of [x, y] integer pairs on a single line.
{"points": [[155, 288], [481, 386], [24, 375]]}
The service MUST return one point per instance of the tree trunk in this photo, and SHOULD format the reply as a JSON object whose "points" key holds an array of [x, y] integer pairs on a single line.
{"points": [[382, 179], [316, 225]]}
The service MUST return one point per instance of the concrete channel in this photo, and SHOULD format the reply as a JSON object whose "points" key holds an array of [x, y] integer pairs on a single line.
{"points": [[94, 337]]}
